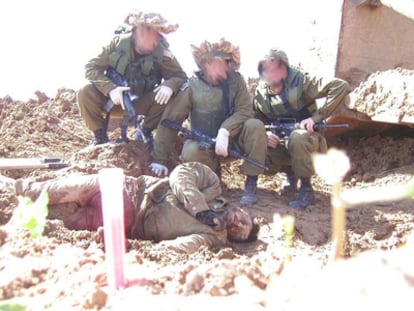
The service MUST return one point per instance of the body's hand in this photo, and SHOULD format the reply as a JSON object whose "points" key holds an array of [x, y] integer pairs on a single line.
{"points": [[272, 139], [163, 95], [222, 142], [117, 95], [307, 124], [211, 219], [158, 169]]}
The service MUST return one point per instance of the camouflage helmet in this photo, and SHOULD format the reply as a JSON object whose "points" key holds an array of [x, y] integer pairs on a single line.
{"points": [[153, 20], [222, 49], [274, 54]]}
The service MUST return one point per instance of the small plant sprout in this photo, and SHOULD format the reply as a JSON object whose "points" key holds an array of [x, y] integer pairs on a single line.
{"points": [[289, 231], [332, 167], [31, 215]]}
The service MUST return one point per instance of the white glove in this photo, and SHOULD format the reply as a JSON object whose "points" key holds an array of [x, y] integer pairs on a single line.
{"points": [[158, 169], [222, 142], [117, 95], [164, 94]]}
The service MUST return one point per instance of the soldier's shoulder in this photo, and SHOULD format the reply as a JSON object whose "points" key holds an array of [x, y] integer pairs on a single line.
{"points": [[194, 79], [236, 79], [167, 53]]}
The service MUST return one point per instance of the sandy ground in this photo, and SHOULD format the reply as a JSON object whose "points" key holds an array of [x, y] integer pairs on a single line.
{"points": [[65, 269]]}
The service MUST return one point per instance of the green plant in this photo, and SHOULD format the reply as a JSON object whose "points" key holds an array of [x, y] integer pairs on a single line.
{"points": [[12, 307], [289, 231], [31, 215], [332, 167]]}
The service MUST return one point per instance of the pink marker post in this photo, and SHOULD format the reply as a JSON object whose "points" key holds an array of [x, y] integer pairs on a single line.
{"points": [[111, 182]]}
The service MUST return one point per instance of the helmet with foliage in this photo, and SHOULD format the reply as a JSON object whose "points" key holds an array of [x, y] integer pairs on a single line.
{"points": [[222, 49], [150, 19]]}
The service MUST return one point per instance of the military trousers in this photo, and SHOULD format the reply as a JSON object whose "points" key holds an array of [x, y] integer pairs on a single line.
{"points": [[297, 153], [251, 141], [92, 108]]}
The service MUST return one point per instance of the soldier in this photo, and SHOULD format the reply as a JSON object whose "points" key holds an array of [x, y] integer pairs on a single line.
{"points": [[284, 91], [185, 208], [219, 105], [142, 57]]}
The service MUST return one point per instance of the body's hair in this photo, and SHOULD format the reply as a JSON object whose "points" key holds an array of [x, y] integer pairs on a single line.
{"points": [[254, 232]]}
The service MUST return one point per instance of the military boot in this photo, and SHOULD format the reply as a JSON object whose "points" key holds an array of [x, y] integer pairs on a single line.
{"points": [[249, 197], [292, 185], [306, 195], [144, 134], [100, 137]]}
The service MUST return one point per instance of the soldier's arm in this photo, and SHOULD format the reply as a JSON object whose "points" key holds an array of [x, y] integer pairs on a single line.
{"points": [[95, 69], [194, 184], [191, 243], [243, 109], [174, 76], [334, 91]]}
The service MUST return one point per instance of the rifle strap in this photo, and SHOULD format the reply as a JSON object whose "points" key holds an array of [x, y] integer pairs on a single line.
{"points": [[300, 114], [293, 112], [106, 122], [228, 105]]}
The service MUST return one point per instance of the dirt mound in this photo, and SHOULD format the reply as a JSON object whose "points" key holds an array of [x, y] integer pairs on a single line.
{"points": [[377, 155], [67, 268], [386, 96], [381, 105]]}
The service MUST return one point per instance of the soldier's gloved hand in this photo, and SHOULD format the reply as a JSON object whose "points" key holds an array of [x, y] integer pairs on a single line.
{"points": [[272, 139], [164, 94], [211, 219], [158, 169], [117, 95], [222, 142]]}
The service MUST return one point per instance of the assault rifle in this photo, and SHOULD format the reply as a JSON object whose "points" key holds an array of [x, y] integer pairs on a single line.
{"points": [[128, 97], [283, 127], [207, 141]]}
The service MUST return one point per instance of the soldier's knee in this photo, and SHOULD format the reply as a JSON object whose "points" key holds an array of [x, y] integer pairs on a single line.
{"points": [[254, 124], [254, 128], [80, 96], [298, 137], [190, 152], [89, 93]]}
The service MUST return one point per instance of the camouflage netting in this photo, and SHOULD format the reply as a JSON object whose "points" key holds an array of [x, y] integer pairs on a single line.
{"points": [[153, 20], [222, 49]]}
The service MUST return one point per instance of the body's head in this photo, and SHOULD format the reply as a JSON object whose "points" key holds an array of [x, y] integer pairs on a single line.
{"points": [[148, 30], [216, 60], [273, 68], [241, 227]]}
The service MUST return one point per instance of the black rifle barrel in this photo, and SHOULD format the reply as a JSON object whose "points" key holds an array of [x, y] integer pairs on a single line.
{"points": [[198, 136]]}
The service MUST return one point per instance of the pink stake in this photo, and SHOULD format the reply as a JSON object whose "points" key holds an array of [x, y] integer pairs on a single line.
{"points": [[111, 182]]}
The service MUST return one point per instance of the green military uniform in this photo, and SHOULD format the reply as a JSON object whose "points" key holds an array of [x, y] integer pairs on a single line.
{"points": [[154, 209], [143, 73], [298, 100], [208, 113]]}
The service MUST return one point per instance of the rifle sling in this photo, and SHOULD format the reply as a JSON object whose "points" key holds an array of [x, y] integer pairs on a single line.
{"points": [[300, 114], [228, 106]]}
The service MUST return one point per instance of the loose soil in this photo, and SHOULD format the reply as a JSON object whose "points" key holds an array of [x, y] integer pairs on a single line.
{"points": [[65, 269]]}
